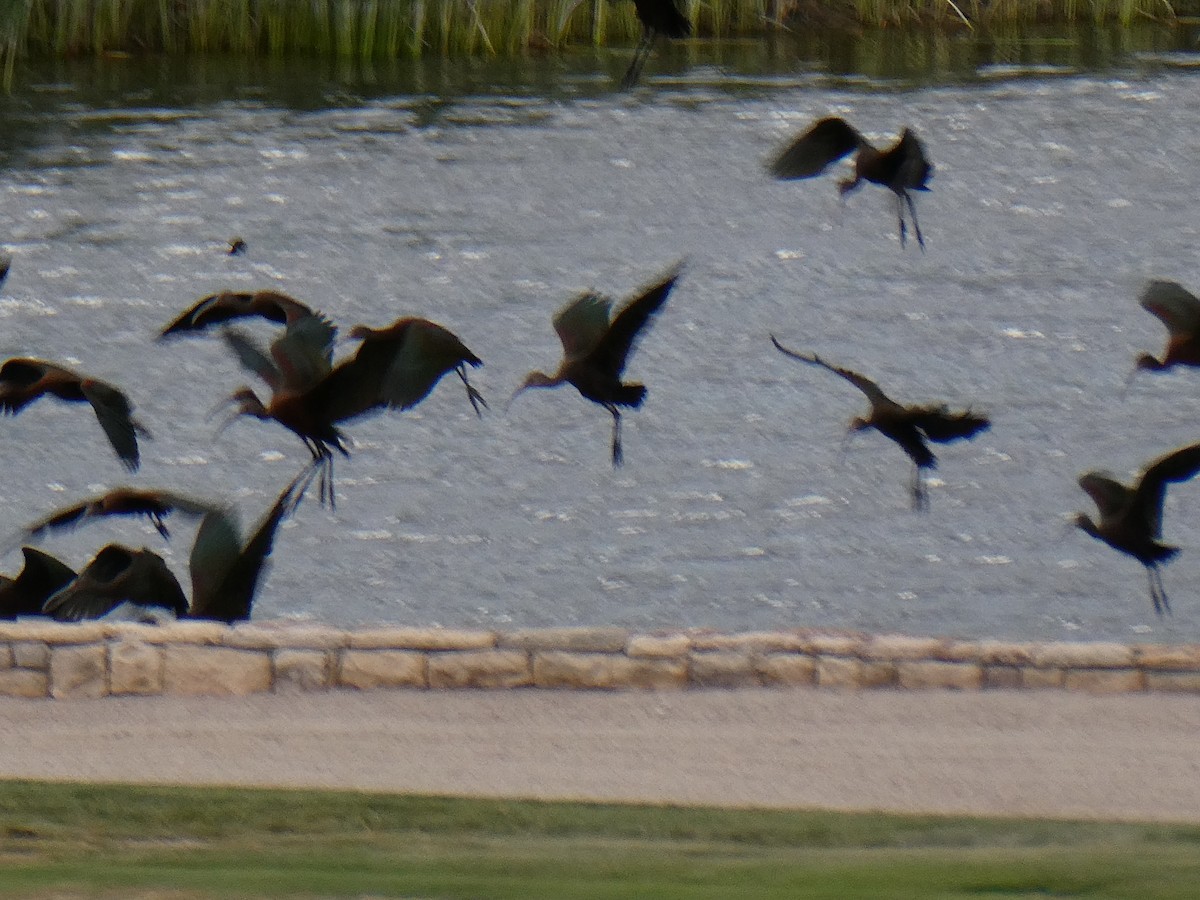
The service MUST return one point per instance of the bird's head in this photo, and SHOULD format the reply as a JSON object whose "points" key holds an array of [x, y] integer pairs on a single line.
{"points": [[533, 380], [244, 402], [1084, 523], [1147, 362], [857, 424]]}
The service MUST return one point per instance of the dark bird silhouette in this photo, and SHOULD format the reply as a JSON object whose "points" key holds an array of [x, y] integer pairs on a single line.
{"points": [[5, 265], [658, 17], [41, 576], [901, 168], [225, 572], [136, 582], [227, 305], [24, 380], [596, 350], [237, 247], [394, 368], [1131, 516], [1179, 311], [908, 426], [155, 505]]}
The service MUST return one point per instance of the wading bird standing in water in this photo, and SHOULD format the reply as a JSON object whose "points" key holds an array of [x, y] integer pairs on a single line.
{"points": [[1179, 311], [394, 368], [595, 350], [901, 168], [24, 380], [657, 17], [1131, 517], [908, 426]]}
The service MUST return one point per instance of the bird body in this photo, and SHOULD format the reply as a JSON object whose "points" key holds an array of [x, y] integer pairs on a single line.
{"points": [[135, 584], [41, 576], [395, 367], [24, 380], [596, 350], [5, 265], [1131, 515], [908, 426], [225, 306], [901, 168], [1179, 311], [658, 17]]}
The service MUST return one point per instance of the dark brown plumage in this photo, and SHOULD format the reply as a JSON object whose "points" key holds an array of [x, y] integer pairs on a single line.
{"points": [[1179, 311], [24, 380], [117, 576], [41, 576], [228, 305], [1131, 516], [658, 17], [237, 247], [394, 368], [901, 168], [908, 426], [596, 350], [5, 264], [156, 505]]}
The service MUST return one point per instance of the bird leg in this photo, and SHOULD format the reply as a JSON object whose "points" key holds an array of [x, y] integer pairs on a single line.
{"points": [[1158, 594], [912, 211], [634, 72], [900, 215], [920, 493], [618, 456], [157, 520], [323, 464], [473, 395]]}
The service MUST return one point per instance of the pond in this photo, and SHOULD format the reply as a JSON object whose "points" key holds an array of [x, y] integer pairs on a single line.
{"points": [[484, 195]]}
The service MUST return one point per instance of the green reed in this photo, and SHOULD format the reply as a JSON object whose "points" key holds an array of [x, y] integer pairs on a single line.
{"points": [[384, 29]]}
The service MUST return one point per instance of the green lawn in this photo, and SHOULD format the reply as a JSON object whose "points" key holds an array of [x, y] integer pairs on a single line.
{"points": [[66, 841]]}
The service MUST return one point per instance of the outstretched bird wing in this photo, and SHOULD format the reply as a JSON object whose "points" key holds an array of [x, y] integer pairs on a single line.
{"points": [[1175, 307], [613, 351], [41, 576], [304, 353], [115, 414], [253, 358], [582, 323], [427, 352], [216, 308], [913, 168], [874, 394], [120, 502], [1176, 466], [17, 378], [115, 575], [943, 426], [816, 149]]}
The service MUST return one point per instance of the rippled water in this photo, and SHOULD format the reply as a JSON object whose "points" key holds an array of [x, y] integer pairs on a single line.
{"points": [[1054, 200]]}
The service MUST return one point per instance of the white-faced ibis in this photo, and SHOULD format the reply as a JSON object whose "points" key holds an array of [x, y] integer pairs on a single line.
{"points": [[120, 583], [908, 426], [24, 380], [657, 17], [395, 367], [225, 572], [901, 168], [237, 247], [1179, 311], [1131, 516], [595, 349], [155, 505], [217, 308], [41, 576]]}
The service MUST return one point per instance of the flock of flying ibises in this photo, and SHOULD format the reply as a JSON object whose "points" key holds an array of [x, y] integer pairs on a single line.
{"points": [[397, 366]]}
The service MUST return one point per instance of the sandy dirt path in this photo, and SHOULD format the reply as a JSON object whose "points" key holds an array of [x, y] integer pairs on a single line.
{"points": [[1006, 753]]}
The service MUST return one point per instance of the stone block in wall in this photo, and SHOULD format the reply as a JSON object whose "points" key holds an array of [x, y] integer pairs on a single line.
{"points": [[23, 683], [301, 670], [31, 655], [135, 667], [918, 674], [1105, 681], [605, 671], [900, 646], [1176, 682], [50, 632], [198, 669], [832, 644], [78, 671], [480, 669], [838, 671], [989, 652], [184, 632], [722, 669], [1033, 677], [6, 656], [658, 646], [1178, 658], [366, 669], [579, 640], [1091, 655], [1001, 677], [291, 637], [420, 639], [785, 669], [750, 642]]}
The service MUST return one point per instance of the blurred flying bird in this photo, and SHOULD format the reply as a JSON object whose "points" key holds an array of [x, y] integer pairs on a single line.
{"points": [[237, 247], [120, 583], [908, 426], [595, 349], [1179, 311], [901, 168], [1131, 516], [24, 380], [217, 308], [41, 576], [5, 265], [657, 17]]}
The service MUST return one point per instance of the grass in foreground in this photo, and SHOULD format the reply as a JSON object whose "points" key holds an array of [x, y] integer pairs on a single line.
{"points": [[66, 841]]}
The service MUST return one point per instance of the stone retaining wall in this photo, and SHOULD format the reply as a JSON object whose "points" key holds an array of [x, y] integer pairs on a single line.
{"points": [[46, 659]]}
